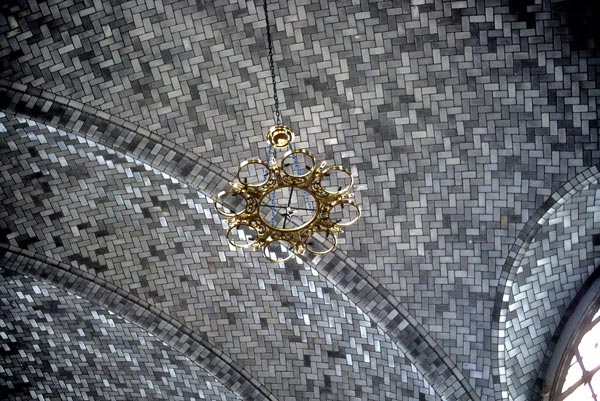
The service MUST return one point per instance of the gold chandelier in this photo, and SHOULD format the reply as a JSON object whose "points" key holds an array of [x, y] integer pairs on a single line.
{"points": [[288, 206]]}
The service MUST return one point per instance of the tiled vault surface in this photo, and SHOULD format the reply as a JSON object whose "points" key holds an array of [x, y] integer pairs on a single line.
{"points": [[56, 345], [459, 118], [563, 254], [77, 202]]}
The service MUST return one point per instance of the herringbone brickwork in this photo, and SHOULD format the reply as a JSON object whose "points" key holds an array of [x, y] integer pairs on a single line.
{"points": [[59, 346], [560, 258], [458, 119], [145, 233]]}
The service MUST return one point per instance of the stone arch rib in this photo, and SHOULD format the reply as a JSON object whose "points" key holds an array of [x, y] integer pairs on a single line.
{"points": [[351, 279], [115, 133], [518, 251]]}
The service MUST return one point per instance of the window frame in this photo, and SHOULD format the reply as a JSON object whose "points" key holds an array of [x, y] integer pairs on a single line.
{"points": [[580, 319]]}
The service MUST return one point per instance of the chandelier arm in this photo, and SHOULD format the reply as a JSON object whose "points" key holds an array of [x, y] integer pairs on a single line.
{"points": [[290, 197], [288, 206], [272, 200], [285, 207], [297, 168], [270, 157], [304, 208], [272, 66]]}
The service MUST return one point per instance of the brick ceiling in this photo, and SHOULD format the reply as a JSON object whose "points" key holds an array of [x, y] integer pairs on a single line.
{"points": [[471, 129]]}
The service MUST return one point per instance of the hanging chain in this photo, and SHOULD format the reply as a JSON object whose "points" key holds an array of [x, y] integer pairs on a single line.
{"points": [[272, 67], [307, 200], [271, 155], [278, 118]]}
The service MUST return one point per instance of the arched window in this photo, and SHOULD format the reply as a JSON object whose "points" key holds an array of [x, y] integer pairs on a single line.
{"points": [[575, 366], [582, 379]]}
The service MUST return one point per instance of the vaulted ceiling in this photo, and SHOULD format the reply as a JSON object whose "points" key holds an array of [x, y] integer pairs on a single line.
{"points": [[471, 129]]}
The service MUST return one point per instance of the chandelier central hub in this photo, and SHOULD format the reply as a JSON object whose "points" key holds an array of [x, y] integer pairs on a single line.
{"points": [[288, 208]]}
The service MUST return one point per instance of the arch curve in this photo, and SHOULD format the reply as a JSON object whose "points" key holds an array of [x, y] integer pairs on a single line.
{"points": [[343, 272], [525, 243], [154, 321]]}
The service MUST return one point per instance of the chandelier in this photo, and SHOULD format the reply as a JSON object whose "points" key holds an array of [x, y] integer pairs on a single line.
{"points": [[290, 205]]}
